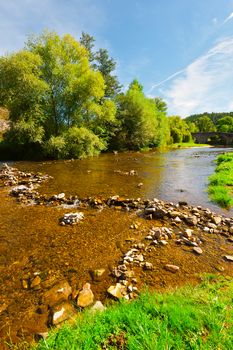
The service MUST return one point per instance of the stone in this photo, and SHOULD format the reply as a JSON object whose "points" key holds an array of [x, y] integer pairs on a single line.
{"points": [[159, 214], [197, 250], [36, 282], [58, 293], [139, 258], [98, 274], [148, 266], [177, 220], [211, 225], [216, 220], [60, 196], [191, 220], [62, 313], [171, 268], [117, 291], [71, 218], [188, 233], [85, 297], [229, 257], [163, 242], [98, 307]]}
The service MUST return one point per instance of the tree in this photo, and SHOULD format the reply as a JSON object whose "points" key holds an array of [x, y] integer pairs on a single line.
{"points": [[106, 66], [160, 104], [88, 42], [225, 124], [179, 130], [50, 86], [205, 124], [138, 119]]}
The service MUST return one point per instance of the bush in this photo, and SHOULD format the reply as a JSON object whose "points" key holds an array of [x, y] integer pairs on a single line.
{"points": [[81, 142]]}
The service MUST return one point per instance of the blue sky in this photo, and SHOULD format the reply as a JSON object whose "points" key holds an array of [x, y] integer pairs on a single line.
{"points": [[180, 50]]}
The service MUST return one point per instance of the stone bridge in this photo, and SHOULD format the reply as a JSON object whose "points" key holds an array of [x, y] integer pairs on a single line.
{"points": [[223, 138]]}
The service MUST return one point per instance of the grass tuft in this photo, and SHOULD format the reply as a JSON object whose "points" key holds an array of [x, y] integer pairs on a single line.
{"points": [[188, 318], [221, 182]]}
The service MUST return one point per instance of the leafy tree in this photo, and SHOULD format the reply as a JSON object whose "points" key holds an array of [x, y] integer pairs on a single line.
{"points": [[49, 87], [160, 104], [179, 130], [138, 119], [106, 66], [205, 124], [225, 124], [88, 42]]}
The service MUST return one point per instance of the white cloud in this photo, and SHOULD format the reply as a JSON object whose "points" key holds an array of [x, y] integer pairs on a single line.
{"points": [[206, 84]]}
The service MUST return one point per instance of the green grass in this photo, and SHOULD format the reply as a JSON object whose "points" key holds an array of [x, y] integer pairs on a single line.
{"points": [[187, 145], [188, 318], [220, 186]]}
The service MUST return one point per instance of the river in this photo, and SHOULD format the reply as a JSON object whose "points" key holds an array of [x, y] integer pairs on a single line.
{"points": [[179, 175], [33, 243]]}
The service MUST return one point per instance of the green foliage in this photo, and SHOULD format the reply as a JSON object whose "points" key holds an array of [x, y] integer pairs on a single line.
{"points": [[50, 87], [138, 118], [225, 124], [189, 318], [222, 122], [81, 142], [179, 130], [205, 124], [221, 182]]}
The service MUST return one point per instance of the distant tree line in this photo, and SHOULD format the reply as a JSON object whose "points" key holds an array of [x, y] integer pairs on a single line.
{"points": [[210, 122], [64, 100]]}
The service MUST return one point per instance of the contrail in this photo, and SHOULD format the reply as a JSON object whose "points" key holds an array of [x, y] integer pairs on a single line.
{"points": [[165, 80], [228, 18]]}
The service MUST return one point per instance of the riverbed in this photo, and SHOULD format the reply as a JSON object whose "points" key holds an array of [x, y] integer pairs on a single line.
{"points": [[32, 243]]}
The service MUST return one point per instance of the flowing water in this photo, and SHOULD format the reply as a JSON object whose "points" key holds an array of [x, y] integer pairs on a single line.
{"points": [[180, 175]]}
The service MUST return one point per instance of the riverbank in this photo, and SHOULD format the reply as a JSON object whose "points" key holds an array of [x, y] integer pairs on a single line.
{"points": [[118, 247], [190, 317], [220, 186]]}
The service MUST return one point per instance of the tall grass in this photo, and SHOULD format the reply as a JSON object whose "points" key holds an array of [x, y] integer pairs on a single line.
{"points": [[220, 186], [189, 318]]}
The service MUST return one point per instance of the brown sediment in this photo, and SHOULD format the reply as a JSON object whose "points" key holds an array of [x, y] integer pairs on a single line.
{"points": [[32, 243]]}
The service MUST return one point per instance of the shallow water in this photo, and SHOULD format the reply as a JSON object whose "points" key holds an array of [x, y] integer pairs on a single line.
{"points": [[180, 175]]}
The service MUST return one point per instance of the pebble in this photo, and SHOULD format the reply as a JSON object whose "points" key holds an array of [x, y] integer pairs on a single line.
{"points": [[197, 250], [171, 268]]}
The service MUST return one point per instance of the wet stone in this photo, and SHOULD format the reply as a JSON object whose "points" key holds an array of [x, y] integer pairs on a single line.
{"points": [[60, 292], [171, 268], [62, 313], [197, 250]]}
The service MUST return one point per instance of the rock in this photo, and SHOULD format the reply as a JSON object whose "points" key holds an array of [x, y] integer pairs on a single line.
{"points": [[98, 274], [188, 233], [163, 242], [60, 196], [71, 218], [36, 282], [229, 257], [62, 313], [171, 268], [98, 307], [159, 214], [211, 225], [216, 220], [139, 258], [177, 220], [191, 220], [117, 291], [60, 292], [156, 232], [148, 266], [85, 297], [197, 250], [25, 284]]}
